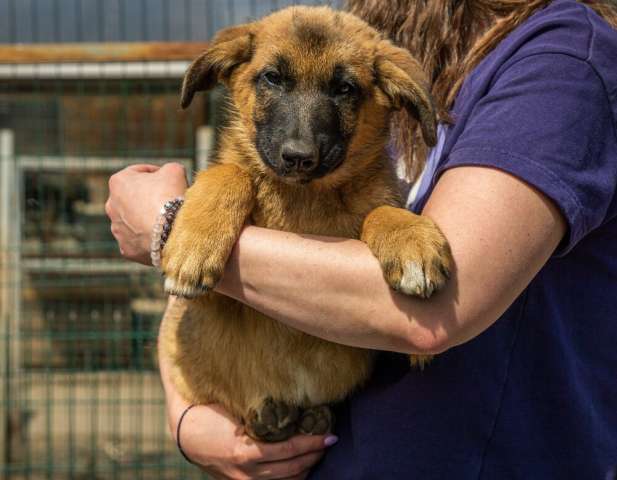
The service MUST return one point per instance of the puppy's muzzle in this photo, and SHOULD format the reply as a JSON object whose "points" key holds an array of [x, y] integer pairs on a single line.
{"points": [[298, 158]]}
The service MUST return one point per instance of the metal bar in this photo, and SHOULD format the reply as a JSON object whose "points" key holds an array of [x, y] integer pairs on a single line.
{"points": [[204, 143], [94, 70], [102, 164], [6, 147], [7, 272], [80, 266]]}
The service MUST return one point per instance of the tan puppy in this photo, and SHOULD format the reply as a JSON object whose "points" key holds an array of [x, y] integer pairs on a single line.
{"points": [[312, 90]]}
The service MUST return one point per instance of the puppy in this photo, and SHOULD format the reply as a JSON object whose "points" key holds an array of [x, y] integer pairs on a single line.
{"points": [[311, 94]]}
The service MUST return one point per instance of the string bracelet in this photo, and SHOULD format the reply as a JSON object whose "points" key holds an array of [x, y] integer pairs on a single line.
{"points": [[178, 433], [162, 228]]}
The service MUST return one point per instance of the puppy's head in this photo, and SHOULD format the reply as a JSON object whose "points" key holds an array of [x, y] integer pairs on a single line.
{"points": [[313, 89]]}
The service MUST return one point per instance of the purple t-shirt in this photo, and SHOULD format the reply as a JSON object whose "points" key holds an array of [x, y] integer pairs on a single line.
{"points": [[535, 395]]}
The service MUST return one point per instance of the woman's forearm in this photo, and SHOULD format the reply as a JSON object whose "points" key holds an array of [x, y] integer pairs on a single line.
{"points": [[308, 281]]}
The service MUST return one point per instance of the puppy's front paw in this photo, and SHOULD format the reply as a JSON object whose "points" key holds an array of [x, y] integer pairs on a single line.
{"points": [[414, 254], [194, 257], [206, 229], [185, 290]]}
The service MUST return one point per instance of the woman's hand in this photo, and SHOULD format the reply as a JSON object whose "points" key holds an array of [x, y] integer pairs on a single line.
{"points": [[136, 195], [216, 442]]}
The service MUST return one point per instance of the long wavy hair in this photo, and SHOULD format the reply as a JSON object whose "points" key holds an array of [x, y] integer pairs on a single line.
{"points": [[449, 38]]}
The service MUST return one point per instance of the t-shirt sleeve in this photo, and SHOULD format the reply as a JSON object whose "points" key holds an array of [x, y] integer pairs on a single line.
{"points": [[547, 120]]}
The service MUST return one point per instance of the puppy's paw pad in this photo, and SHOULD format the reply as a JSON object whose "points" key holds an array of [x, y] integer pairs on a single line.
{"points": [[272, 421], [316, 420], [181, 289]]}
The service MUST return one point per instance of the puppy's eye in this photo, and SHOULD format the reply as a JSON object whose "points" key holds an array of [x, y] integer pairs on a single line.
{"points": [[273, 78], [344, 88]]}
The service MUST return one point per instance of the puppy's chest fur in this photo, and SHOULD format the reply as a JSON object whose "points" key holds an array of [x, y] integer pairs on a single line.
{"points": [[310, 210]]}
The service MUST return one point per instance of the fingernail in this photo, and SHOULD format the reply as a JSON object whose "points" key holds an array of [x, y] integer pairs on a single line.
{"points": [[330, 440]]}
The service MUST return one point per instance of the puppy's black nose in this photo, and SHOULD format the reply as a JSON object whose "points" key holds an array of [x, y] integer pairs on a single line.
{"points": [[298, 156]]}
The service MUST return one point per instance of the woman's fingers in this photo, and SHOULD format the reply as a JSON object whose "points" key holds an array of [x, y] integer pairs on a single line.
{"points": [[143, 168], [291, 459], [293, 468], [174, 166], [302, 476], [296, 446]]}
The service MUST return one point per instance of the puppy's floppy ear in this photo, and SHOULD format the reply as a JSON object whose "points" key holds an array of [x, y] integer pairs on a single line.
{"points": [[404, 82], [228, 49]]}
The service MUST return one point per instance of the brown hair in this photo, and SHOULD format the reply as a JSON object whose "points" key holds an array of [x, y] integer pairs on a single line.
{"points": [[449, 38]]}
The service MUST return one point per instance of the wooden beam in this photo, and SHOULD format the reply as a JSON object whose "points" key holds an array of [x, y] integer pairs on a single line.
{"points": [[99, 52]]}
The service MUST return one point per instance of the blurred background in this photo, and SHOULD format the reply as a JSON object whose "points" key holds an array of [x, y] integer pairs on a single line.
{"points": [[88, 87]]}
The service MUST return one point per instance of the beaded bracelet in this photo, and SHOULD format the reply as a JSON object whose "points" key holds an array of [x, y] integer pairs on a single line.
{"points": [[162, 228]]}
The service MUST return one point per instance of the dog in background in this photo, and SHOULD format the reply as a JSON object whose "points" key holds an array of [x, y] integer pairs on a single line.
{"points": [[311, 92]]}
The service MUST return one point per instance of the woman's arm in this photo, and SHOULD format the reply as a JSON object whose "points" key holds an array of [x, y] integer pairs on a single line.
{"points": [[501, 232]]}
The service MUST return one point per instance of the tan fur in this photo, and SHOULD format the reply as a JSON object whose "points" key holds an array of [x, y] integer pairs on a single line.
{"points": [[224, 351]]}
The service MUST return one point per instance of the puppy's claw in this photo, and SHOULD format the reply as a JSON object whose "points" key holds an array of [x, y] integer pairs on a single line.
{"points": [[414, 255], [416, 280], [185, 290], [412, 281]]}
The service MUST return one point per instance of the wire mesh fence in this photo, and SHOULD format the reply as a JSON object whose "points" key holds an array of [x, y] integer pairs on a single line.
{"points": [[84, 93]]}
